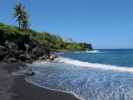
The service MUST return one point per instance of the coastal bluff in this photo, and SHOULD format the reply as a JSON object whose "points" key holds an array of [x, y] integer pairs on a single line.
{"points": [[18, 45]]}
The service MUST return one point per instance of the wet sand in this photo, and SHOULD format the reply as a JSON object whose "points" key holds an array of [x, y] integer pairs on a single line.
{"points": [[16, 88]]}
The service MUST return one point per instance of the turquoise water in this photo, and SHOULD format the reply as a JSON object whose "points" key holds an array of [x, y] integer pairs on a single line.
{"points": [[85, 80]]}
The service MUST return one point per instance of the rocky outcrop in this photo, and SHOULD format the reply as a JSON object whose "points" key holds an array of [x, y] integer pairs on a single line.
{"points": [[86, 46], [23, 50]]}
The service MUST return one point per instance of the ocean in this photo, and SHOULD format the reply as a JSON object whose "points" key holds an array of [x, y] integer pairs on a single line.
{"points": [[105, 74]]}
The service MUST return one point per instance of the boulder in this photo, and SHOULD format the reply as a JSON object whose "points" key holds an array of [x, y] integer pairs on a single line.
{"points": [[24, 57], [29, 73], [2, 47], [52, 56], [40, 51], [20, 43], [3, 52], [12, 59]]}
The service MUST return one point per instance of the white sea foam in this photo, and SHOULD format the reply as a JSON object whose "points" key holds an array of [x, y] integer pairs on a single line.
{"points": [[88, 51], [93, 51], [94, 65]]}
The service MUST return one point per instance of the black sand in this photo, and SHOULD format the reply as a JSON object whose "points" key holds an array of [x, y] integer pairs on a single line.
{"points": [[16, 88]]}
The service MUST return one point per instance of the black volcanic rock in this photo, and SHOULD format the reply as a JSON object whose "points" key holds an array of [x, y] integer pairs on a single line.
{"points": [[23, 49], [3, 52]]}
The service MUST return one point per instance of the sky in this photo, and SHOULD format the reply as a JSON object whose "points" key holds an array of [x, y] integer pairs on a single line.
{"points": [[105, 24]]}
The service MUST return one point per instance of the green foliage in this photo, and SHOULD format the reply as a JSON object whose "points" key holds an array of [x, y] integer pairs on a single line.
{"points": [[10, 33], [55, 42]]}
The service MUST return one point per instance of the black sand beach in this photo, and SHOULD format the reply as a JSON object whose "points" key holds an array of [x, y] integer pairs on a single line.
{"points": [[16, 88]]}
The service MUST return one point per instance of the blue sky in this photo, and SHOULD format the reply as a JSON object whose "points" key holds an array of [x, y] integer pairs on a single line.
{"points": [[104, 23]]}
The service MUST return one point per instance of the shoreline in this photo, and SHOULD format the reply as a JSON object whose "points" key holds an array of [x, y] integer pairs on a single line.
{"points": [[16, 88], [28, 91], [60, 91]]}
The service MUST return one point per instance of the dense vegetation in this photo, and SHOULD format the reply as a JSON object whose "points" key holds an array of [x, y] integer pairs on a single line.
{"points": [[54, 42]]}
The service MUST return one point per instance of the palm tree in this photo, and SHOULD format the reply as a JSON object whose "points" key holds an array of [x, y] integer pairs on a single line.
{"points": [[21, 16], [24, 20]]}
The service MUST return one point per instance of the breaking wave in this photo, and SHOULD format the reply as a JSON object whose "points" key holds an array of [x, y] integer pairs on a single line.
{"points": [[93, 51], [94, 65]]}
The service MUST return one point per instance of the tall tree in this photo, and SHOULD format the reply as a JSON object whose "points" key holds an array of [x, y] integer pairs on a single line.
{"points": [[21, 16]]}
